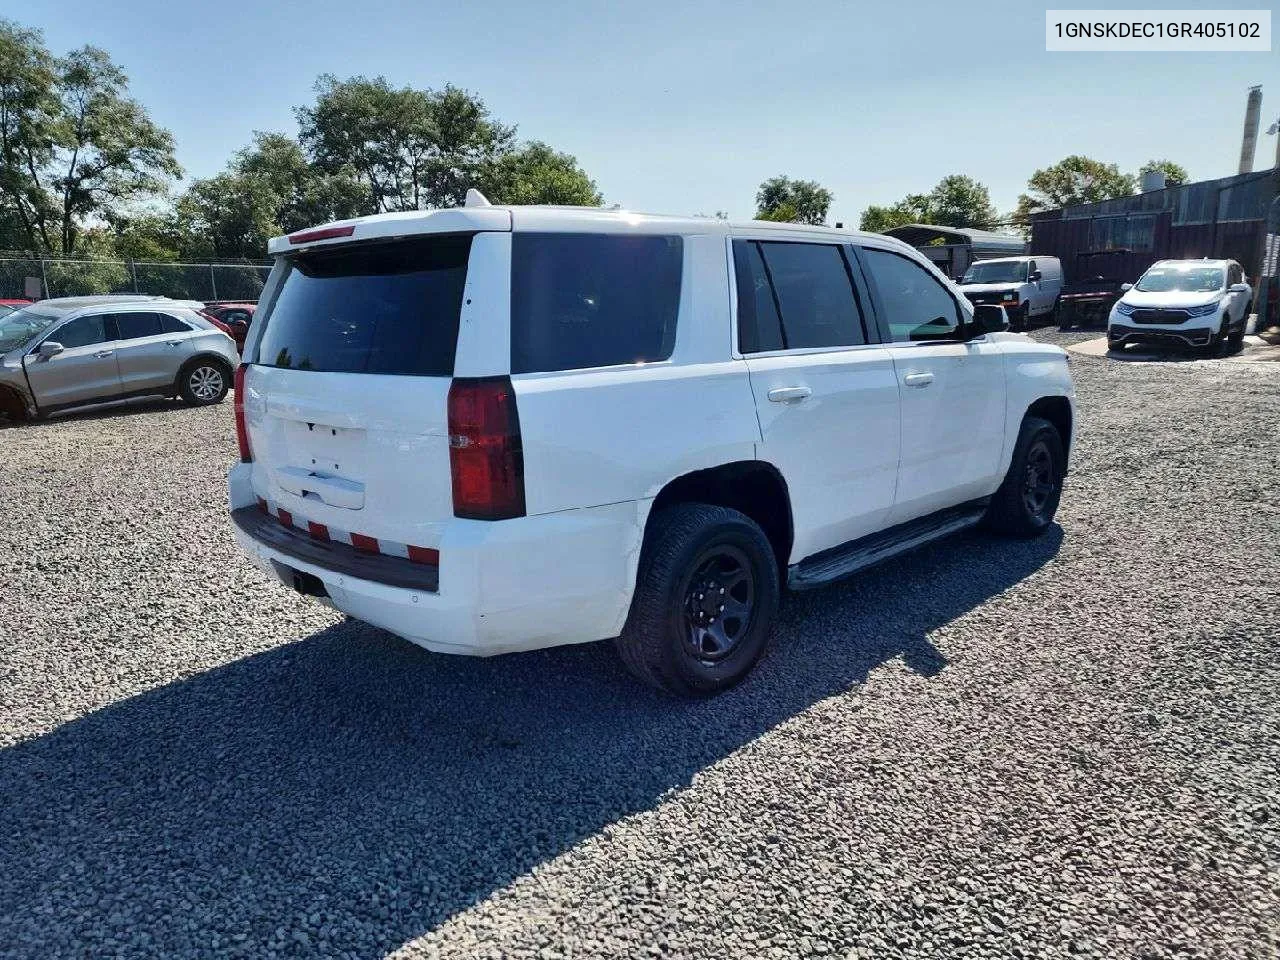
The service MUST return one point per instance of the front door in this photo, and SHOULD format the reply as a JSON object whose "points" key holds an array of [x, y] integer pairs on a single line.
{"points": [[85, 370], [952, 391], [826, 398]]}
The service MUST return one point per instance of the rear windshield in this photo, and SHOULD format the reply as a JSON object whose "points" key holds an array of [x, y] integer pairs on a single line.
{"points": [[389, 308], [592, 300]]}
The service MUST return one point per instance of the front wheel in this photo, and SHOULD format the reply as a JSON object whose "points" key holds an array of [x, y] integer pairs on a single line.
{"points": [[705, 600], [1020, 318], [1027, 500], [204, 382]]}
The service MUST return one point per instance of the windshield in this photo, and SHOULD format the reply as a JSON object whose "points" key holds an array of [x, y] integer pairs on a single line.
{"points": [[1009, 271], [1182, 279], [18, 327]]}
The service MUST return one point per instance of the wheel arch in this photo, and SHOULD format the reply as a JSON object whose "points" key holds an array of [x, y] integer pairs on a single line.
{"points": [[1057, 410], [752, 487], [190, 362], [14, 401]]}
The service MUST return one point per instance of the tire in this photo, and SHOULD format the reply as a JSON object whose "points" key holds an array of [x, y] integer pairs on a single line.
{"points": [[1020, 318], [694, 554], [204, 382], [1025, 504]]}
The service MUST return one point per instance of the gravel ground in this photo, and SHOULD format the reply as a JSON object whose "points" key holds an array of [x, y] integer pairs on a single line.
{"points": [[1069, 747]]}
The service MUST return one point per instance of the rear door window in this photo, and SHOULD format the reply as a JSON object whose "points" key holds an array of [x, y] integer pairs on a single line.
{"points": [[171, 324], [592, 300], [795, 296], [133, 326], [387, 308]]}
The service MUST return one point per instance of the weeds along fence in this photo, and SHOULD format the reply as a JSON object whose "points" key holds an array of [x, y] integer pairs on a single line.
{"points": [[22, 274]]}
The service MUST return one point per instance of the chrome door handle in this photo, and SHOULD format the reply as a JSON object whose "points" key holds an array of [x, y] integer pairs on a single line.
{"points": [[788, 394], [918, 379], [103, 353], [174, 343]]}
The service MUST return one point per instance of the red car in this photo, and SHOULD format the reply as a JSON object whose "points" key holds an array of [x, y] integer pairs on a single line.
{"points": [[8, 306], [233, 318]]}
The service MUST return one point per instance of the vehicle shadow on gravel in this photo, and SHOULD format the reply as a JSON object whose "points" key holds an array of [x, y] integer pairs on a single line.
{"points": [[348, 792]]}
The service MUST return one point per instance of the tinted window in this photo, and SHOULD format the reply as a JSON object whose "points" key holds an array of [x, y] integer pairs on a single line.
{"points": [[389, 308], [131, 326], [170, 324], [815, 295], [917, 305], [590, 300], [81, 332], [759, 326]]}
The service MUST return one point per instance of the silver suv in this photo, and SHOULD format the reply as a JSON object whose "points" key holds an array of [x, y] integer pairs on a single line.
{"points": [[76, 351]]}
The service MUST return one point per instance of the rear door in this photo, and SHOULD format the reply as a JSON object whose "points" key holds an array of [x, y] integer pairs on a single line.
{"points": [[85, 371], [346, 398], [826, 397], [953, 391], [149, 357]]}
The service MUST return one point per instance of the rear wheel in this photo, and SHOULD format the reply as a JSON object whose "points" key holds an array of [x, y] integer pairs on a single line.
{"points": [[1027, 500], [204, 382], [705, 600]]}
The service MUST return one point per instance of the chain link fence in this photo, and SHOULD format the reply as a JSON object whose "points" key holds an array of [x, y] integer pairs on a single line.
{"points": [[22, 275]]}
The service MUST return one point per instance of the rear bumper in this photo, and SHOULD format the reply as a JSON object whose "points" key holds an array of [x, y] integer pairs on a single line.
{"points": [[501, 586], [1160, 336]]}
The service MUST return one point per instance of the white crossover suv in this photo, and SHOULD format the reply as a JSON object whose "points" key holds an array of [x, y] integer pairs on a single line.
{"points": [[1191, 303], [490, 429]]}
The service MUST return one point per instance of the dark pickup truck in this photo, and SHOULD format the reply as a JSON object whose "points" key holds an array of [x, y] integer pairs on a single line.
{"points": [[1087, 300]]}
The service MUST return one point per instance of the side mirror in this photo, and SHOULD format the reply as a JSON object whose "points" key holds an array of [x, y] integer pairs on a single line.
{"points": [[1126, 287], [987, 318], [1035, 276], [1238, 288], [49, 349]]}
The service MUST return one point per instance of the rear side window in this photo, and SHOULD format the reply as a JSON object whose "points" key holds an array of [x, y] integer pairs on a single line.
{"points": [[592, 300], [795, 296], [132, 326], [388, 308], [170, 324]]}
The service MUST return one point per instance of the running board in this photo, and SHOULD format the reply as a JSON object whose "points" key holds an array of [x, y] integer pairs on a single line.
{"points": [[849, 558]]}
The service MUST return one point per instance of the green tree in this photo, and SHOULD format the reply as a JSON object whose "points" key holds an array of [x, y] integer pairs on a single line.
{"points": [[538, 174], [961, 201], [74, 147], [913, 208], [792, 201], [1073, 180], [413, 149], [956, 201], [268, 189], [1174, 173]]}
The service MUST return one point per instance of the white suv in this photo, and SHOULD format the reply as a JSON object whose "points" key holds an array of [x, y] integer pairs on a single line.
{"points": [[491, 429], [1191, 303]]}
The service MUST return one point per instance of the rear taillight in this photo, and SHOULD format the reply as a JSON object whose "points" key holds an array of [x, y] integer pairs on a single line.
{"points": [[485, 455], [242, 431]]}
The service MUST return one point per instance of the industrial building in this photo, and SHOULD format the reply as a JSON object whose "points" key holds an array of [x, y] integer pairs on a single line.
{"points": [[1213, 218]]}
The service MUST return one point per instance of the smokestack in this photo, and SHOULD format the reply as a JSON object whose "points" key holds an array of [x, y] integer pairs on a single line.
{"points": [[1252, 112]]}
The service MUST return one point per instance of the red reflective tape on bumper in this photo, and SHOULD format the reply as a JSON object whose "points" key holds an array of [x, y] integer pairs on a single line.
{"points": [[428, 555], [285, 517], [317, 530], [363, 543]]}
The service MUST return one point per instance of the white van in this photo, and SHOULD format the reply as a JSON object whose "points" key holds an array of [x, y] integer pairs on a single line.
{"points": [[1026, 287]]}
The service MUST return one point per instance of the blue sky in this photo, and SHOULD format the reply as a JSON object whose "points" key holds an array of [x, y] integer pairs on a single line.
{"points": [[684, 107]]}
